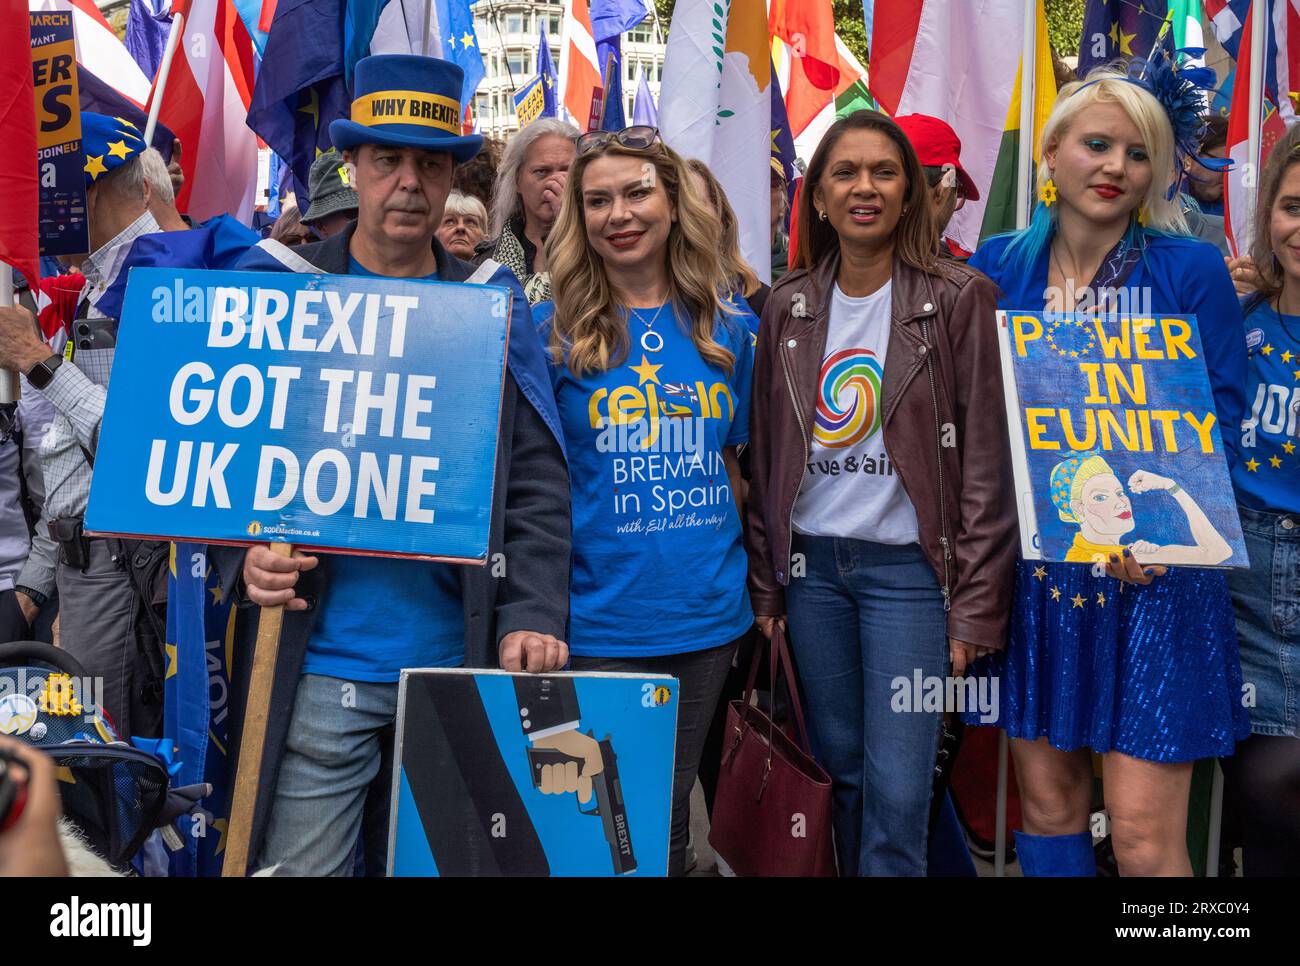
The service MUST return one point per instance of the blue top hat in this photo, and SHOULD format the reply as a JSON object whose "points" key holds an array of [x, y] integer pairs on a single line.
{"points": [[407, 101], [108, 143]]}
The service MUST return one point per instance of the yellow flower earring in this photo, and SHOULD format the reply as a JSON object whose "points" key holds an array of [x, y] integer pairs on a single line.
{"points": [[1142, 215], [1047, 193]]}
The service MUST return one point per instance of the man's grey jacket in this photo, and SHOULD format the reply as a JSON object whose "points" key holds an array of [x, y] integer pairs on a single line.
{"points": [[530, 537]]}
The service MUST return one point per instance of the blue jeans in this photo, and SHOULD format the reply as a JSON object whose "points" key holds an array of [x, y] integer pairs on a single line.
{"points": [[863, 619], [1266, 599], [331, 755]]}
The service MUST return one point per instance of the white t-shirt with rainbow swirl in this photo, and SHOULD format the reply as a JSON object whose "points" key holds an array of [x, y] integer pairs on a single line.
{"points": [[849, 487]]}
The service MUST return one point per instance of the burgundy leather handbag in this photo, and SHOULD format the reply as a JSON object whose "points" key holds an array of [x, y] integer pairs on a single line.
{"points": [[772, 812]]}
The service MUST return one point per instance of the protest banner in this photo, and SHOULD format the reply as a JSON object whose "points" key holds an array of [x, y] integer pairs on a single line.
{"points": [[341, 413], [1115, 442], [530, 101], [62, 226], [344, 413], [484, 758]]}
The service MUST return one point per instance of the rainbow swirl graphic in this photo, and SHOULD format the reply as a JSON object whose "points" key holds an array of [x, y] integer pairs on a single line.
{"points": [[848, 400]]}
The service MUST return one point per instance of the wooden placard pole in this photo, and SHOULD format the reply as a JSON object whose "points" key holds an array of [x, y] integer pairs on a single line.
{"points": [[253, 740]]}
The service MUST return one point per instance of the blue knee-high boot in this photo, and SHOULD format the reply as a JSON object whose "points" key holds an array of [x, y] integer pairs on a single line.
{"points": [[1056, 855]]}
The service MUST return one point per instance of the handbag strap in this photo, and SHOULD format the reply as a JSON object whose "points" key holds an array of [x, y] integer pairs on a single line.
{"points": [[781, 655], [778, 657]]}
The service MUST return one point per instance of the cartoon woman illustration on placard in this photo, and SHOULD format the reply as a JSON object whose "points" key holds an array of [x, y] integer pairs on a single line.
{"points": [[1086, 491]]}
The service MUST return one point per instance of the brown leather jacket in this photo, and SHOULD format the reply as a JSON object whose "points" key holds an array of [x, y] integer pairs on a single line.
{"points": [[944, 429]]}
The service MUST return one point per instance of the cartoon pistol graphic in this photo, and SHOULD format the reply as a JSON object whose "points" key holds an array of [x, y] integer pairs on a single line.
{"points": [[608, 791], [562, 759]]}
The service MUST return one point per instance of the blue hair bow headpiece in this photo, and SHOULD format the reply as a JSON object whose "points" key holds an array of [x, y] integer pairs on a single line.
{"points": [[1179, 92]]}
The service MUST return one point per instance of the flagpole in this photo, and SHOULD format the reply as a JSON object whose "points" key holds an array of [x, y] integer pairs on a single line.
{"points": [[8, 378], [505, 53], [1024, 178], [424, 37], [1258, 44], [1028, 74], [164, 69], [654, 15]]}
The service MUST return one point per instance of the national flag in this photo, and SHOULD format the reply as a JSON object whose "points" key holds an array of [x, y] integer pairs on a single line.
{"points": [[609, 18], [99, 50], [644, 109], [147, 25], [385, 27], [546, 72], [251, 12], [304, 83], [19, 244], [715, 104], [581, 72], [811, 109], [1277, 113], [808, 26], [1120, 30], [205, 100], [1185, 21], [1226, 20], [460, 44], [1186, 24], [950, 61], [1284, 58], [1000, 203]]}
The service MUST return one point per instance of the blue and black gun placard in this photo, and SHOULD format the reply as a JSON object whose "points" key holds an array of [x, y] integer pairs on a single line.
{"points": [[531, 774]]}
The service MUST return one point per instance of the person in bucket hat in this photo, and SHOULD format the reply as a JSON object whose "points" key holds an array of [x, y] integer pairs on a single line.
{"points": [[333, 202], [361, 620]]}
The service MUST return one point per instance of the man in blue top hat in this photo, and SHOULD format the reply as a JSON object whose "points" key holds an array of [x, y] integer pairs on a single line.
{"points": [[352, 623], [110, 590]]}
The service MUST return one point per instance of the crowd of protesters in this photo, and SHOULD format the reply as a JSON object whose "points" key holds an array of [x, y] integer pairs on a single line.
{"points": [[625, 259]]}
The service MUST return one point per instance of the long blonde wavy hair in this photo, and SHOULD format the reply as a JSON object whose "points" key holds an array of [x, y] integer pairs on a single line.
{"points": [[591, 322]]}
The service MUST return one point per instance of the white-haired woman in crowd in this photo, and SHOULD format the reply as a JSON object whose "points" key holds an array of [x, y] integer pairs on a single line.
{"points": [[526, 201], [464, 223]]}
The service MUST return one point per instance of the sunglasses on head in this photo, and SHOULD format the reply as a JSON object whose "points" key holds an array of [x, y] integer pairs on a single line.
{"points": [[638, 137]]}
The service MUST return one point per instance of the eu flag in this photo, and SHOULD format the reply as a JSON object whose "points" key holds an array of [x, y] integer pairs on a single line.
{"points": [[609, 18], [613, 118], [783, 141], [1120, 30], [460, 44], [196, 716], [546, 71], [302, 85]]}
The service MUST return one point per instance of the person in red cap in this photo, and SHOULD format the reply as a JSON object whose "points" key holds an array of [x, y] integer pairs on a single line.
{"points": [[939, 149]]}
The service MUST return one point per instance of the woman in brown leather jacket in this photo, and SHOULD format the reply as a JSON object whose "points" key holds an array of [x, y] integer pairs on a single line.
{"points": [[881, 515]]}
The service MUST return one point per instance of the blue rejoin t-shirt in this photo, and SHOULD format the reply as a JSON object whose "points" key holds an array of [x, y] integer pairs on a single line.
{"points": [[383, 614], [658, 562], [1267, 477]]}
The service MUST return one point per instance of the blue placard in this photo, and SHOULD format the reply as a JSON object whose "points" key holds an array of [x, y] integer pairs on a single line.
{"points": [[60, 161], [530, 101], [1115, 440], [471, 791], [328, 411]]}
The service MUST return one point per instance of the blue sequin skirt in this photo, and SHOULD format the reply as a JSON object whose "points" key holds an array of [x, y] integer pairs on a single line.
{"points": [[1151, 672]]}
